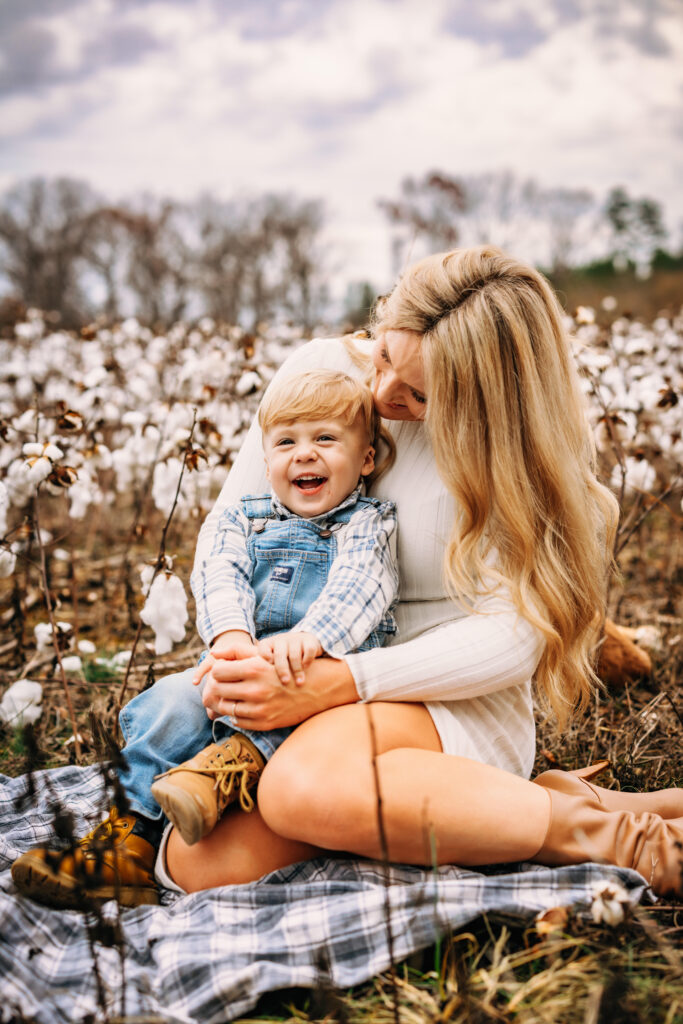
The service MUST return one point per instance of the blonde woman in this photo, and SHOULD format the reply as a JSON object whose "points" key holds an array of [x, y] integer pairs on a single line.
{"points": [[504, 546], [504, 552]]}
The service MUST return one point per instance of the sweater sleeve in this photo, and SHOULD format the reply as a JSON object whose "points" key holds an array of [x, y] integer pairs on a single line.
{"points": [[477, 654]]}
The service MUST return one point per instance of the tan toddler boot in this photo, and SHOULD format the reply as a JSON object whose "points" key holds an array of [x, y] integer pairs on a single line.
{"points": [[194, 795]]}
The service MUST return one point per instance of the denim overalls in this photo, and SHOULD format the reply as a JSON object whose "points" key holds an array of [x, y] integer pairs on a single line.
{"points": [[168, 724]]}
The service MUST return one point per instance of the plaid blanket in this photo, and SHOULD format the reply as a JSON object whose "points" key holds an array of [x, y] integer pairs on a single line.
{"points": [[208, 957]]}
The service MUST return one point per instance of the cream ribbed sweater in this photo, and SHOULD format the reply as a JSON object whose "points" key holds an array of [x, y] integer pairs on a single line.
{"points": [[472, 671]]}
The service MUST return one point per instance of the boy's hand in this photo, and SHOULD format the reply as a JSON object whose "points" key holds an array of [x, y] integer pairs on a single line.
{"points": [[290, 654], [233, 644]]}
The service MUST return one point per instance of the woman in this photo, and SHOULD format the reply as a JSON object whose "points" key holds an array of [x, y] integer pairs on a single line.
{"points": [[504, 550]]}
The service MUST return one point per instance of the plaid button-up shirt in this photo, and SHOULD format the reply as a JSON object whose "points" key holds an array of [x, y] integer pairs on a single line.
{"points": [[358, 597]]}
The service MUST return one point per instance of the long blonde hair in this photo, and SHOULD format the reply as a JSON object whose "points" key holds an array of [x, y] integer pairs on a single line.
{"points": [[512, 444]]}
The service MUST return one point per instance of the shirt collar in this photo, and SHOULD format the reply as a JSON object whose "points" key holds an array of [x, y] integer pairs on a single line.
{"points": [[282, 512]]}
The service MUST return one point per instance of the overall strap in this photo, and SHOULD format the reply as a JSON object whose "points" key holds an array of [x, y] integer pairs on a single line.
{"points": [[258, 508], [345, 514]]}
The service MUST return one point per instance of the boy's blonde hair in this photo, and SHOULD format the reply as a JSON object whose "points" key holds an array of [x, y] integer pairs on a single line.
{"points": [[512, 443], [318, 394]]}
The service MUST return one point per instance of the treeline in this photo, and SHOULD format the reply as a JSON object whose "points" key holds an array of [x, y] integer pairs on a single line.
{"points": [[65, 249], [559, 228]]}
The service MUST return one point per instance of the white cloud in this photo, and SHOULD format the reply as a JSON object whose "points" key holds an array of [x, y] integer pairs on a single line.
{"points": [[365, 93]]}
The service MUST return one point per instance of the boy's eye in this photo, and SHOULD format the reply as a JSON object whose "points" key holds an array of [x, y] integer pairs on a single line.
{"points": [[283, 441], [326, 437]]}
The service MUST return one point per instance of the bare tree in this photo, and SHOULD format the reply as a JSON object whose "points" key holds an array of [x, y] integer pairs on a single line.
{"points": [[159, 258], [636, 226], [45, 227]]}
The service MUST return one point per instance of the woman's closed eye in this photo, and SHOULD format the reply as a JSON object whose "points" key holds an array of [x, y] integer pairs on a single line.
{"points": [[418, 397]]}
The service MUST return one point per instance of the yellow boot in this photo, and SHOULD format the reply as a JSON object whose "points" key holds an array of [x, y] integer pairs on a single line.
{"points": [[110, 862]]}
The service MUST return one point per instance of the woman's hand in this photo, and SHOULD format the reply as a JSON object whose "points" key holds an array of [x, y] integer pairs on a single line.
{"points": [[247, 688], [234, 643]]}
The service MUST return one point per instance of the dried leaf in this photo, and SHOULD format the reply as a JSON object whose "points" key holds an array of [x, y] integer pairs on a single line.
{"points": [[553, 920], [70, 420], [63, 476]]}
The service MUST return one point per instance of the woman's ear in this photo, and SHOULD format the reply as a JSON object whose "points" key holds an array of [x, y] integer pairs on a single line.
{"points": [[368, 462]]}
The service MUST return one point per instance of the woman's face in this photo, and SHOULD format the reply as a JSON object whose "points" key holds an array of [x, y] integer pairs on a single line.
{"points": [[399, 388]]}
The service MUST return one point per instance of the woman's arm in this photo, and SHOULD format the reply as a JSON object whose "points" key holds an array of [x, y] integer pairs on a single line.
{"points": [[468, 657], [264, 703]]}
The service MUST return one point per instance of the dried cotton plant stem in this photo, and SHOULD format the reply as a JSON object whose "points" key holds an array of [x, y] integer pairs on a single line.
{"points": [[384, 849], [53, 624], [161, 559]]}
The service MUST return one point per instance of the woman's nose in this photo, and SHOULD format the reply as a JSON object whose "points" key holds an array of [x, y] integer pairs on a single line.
{"points": [[386, 387]]}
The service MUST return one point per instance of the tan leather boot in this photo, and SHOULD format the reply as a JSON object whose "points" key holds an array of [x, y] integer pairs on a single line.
{"points": [[110, 862], [581, 829], [194, 795], [667, 803]]}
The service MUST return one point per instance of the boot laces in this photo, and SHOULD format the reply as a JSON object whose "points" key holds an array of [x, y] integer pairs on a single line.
{"points": [[230, 777], [104, 834]]}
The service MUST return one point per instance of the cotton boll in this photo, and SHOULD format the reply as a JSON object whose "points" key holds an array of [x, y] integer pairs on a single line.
{"points": [[4, 508], [43, 634], [86, 647], [72, 664], [165, 483], [166, 611], [609, 903], [640, 476], [19, 485], [248, 382], [8, 562], [37, 470], [20, 704]]}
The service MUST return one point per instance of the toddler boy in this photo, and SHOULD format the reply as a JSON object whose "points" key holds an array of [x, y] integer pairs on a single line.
{"points": [[310, 568]]}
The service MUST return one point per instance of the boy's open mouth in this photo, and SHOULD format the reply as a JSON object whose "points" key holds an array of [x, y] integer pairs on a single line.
{"points": [[309, 483]]}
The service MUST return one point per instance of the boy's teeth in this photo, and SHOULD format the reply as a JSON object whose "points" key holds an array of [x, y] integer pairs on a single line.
{"points": [[303, 481]]}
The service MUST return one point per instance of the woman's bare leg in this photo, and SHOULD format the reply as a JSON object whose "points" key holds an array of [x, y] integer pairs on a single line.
{"points": [[475, 813], [240, 849], [318, 792]]}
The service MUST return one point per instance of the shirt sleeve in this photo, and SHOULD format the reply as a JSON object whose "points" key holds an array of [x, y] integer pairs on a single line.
{"points": [[222, 580], [471, 656], [362, 585]]}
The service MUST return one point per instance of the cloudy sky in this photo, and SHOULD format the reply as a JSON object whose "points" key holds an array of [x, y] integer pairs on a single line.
{"points": [[341, 99]]}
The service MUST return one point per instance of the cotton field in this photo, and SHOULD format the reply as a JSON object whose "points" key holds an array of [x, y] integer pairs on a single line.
{"points": [[123, 424]]}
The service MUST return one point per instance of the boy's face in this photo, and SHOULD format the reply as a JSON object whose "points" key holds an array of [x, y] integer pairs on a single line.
{"points": [[313, 465]]}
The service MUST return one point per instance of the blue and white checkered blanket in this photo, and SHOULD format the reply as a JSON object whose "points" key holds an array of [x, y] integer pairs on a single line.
{"points": [[208, 957]]}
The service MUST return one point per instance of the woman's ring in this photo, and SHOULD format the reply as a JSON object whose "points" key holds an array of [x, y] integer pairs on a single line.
{"points": [[233, 714]]}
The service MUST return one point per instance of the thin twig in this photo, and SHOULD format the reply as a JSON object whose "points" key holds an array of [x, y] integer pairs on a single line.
{"points": [[161, 559], [53, 624], [384, 850], [645, 513]]}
